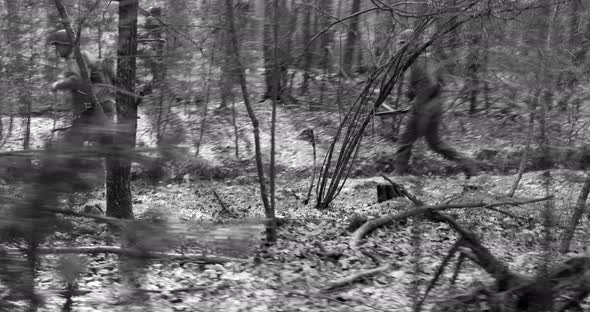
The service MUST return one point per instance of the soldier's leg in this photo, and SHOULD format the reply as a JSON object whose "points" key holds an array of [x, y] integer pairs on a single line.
{"points": [[75, 163], [110, 109], [108, 124], [438, 145], [404, 152], [76, 135]]}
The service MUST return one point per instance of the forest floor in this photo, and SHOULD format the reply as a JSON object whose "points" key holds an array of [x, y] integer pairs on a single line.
{"points": [[313, 246]]}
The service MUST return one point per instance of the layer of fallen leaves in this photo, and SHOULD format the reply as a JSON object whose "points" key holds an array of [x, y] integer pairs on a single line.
{"points": [[312, 251]]}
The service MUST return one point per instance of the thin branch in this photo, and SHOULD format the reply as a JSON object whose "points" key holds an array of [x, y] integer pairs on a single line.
{"points": [[356, 277], [323, 31], [223, 205], [168, 27]]}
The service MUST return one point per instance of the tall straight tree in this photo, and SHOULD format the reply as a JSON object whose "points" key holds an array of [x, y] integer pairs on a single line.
{"points": [[281, 52], [119, 203], [271, 232], [307, 51], [351, 38]]}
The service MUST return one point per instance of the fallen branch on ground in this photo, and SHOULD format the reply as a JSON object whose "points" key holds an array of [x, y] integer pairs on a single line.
{"points": [[440, 271], [566, 285], [356, 277], [393, 112], [82, 292], [506, 213], [108, 220], [133, 253], [374, 224], [484, 258]]}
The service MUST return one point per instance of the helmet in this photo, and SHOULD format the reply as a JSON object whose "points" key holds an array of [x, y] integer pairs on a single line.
{"points": [[405, 36], [60, 37]]}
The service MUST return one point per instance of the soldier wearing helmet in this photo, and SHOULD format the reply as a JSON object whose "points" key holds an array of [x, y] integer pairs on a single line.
{"points": [[85, 115], [424, 90]]}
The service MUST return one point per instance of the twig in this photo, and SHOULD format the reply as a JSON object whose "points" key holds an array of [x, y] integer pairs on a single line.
{"points": [[224, 207], [510, 214], [311, 138], [392, 112], [338, 20]]}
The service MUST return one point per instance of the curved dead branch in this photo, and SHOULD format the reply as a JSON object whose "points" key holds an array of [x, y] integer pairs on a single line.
{"points": [[374, 224]]}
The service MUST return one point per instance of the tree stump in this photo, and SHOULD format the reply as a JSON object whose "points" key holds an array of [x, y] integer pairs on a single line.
{"points": [[386, 192]]}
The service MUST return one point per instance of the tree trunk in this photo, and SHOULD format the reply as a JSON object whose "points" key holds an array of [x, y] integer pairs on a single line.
{"points": [[579, 209], [119, 203], [157, 67], [569, 81], [473, 65], [327, 38], [541, 40], [485, 63], [275, 98], [351, 39], [227, 78], [17, 69], [271, 231], [259, 12], [225, 74], [283, 53], [307, 55], [453, 43]]}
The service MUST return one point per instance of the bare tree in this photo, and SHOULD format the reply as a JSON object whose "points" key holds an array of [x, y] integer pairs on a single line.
{"points": [[119, 202], [271, 232]]}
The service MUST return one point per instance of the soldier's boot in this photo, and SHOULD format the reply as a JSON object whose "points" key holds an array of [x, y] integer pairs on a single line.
{"points": [[402, 159], [470, 168]]}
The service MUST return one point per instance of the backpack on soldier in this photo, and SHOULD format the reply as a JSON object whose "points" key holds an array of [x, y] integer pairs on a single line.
{"points": [[102, 71], [107, 67]]}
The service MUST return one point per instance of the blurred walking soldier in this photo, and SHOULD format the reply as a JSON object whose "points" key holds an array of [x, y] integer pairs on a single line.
{"points": [[424, 89], [88, 123]]}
